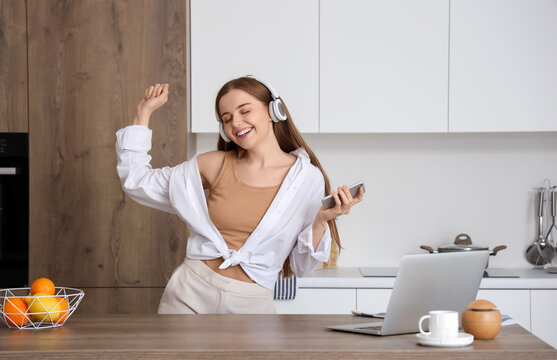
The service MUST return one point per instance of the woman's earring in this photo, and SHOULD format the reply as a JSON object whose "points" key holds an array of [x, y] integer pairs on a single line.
{"points": [[222, 134]]}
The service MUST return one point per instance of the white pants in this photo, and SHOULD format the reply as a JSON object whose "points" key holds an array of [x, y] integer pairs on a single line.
{"points": [[194, 288]]}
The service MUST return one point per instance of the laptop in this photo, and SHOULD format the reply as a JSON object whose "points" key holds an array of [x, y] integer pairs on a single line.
{"points": [[425, 282]]}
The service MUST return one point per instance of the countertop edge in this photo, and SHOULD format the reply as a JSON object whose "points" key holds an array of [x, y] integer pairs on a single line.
{"points": [[350, 277]]}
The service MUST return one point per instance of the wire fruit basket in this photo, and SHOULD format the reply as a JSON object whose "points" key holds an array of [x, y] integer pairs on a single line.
{"points": [[53, 310]]}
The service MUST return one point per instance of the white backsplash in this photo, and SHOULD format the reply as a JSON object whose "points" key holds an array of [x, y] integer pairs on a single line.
{"points": [[424, 189]]}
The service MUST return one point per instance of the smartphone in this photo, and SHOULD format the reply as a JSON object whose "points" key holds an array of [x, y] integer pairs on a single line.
{"points": [[329, 202]]}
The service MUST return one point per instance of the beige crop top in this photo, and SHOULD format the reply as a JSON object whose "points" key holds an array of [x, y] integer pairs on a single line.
{"points": [[234, 207]]}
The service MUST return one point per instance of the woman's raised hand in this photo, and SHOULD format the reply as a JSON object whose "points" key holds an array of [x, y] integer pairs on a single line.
{"points": [[155, 97]]}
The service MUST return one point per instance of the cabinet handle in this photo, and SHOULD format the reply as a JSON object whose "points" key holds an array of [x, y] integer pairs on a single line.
{"points": [[8, 171]]}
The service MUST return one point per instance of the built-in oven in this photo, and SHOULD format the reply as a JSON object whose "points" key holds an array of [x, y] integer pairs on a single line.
{"points": [[14, 209]]}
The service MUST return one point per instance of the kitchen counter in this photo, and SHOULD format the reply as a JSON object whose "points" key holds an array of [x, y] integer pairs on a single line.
{"points": [[351, 277], [245, 337]]}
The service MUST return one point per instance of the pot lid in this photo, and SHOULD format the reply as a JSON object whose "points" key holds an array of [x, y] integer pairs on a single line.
{"points": [[458, 247], [462, 242]]}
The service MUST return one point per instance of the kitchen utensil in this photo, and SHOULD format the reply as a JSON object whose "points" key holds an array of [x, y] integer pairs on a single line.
{"points": [[463, 242], [553, 207], [551, 266], [539, 253]]}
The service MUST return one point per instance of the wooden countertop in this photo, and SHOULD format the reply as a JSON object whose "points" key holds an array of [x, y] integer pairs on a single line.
{"points": [[245, 337]]}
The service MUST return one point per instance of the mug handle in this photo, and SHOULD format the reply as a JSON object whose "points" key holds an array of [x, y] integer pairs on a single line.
{"points": [[420, 324]]}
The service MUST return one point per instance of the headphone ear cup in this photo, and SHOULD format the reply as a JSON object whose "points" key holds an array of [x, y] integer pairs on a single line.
{"points": [[276, 110], [222, 134], [272, 112]]}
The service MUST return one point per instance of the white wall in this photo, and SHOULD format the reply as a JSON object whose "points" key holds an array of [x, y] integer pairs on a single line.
{"points": [[424, 189]]}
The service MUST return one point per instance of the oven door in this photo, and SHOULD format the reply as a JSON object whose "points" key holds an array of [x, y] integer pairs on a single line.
{"points": [[14, 216]]}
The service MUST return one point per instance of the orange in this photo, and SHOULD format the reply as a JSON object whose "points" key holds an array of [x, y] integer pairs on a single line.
{"points": [[15, 310], [64, 310], [42, 285]]}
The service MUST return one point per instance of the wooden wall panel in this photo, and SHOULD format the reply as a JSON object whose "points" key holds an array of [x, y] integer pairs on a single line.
{"points": [[89, 63], [122, 300], [13, 66]]}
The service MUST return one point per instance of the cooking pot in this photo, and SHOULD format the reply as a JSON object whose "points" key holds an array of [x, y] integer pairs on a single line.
{"points": [[463, 242]]}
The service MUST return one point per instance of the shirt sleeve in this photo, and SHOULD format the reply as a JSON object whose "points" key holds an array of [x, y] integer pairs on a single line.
{"points": [[303, 257], [139, 180]]}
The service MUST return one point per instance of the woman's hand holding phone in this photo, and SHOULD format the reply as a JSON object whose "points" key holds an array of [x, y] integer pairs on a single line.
{"points": [[340, 201]]}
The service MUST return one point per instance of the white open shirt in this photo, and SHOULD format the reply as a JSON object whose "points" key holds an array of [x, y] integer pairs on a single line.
{"points": [[284, 231]]}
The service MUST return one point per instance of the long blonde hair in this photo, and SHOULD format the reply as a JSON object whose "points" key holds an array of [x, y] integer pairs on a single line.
{"points": [[289, 139]]}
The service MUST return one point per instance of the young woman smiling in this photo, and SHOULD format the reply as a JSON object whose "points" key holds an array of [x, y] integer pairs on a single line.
{"points": [[253, 206]]}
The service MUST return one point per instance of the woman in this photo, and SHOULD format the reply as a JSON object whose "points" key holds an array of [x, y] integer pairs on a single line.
{"points": [[253, 207]]}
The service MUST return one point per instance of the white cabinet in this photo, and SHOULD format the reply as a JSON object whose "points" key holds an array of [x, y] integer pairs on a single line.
{"points": [[502, 65], [384, 66], [544, 315], [373, 301], [515, 303], [274, 40], [319, 301]]}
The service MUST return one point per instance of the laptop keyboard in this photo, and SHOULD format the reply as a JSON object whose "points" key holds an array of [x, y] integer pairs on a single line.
{"points": [[373, 327]]}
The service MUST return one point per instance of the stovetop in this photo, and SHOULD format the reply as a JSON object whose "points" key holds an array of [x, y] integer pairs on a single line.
{"points": [[500, 273]]}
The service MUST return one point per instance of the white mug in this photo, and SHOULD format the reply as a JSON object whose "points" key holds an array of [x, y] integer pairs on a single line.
{"points": [[442, 324]]}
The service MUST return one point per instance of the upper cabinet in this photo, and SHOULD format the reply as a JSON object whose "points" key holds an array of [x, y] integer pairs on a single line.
{"points": [[384, 65], [276, 41], [503, 73]]}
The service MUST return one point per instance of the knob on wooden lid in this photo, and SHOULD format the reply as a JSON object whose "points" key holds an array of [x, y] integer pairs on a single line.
{"points": [[481, 305]]}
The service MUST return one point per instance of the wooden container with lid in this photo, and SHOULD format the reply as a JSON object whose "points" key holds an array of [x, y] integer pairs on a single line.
{"points": [[481, 319]]}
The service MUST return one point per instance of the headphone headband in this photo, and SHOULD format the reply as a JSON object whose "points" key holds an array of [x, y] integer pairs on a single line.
{"points": [[271, 89], [276, 108]]}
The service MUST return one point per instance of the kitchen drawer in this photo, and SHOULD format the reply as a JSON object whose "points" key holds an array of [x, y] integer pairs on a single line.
{"points": [[319, 301]]}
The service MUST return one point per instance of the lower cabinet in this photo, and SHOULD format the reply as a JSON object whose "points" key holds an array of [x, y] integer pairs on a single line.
{"points": [[319, 301], [515, 303], [544, 315], [534, 310], [373, 301]]}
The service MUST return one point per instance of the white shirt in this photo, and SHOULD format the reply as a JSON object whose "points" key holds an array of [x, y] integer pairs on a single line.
{"points": [[284, 231]]}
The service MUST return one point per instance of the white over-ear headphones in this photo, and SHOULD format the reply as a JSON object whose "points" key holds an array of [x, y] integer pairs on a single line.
{"points": [[222, 134], [276, 108]]}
